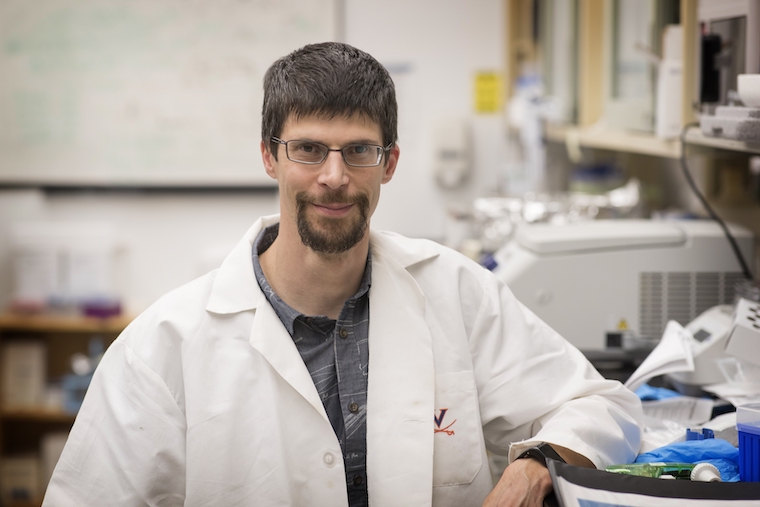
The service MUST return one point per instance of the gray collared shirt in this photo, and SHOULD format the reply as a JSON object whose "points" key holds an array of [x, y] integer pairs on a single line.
{"points": [[336, 353]]}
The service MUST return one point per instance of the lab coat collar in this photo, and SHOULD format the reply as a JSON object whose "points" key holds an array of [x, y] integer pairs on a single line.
{"points": [[235, 288], [404, 251]]}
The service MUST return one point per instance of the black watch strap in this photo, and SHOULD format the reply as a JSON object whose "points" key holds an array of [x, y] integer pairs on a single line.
{"points": [[541, 453]]}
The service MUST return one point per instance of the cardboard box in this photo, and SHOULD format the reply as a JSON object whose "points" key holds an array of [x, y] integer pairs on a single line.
{"points": [[24, 370], [20, 478]]}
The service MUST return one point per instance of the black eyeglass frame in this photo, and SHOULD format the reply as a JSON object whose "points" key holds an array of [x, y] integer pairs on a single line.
{"points": [[382, 150]]}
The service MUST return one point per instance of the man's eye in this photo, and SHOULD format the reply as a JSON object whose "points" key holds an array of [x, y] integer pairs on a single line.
{"points": [[358, 149], [307, 148]]}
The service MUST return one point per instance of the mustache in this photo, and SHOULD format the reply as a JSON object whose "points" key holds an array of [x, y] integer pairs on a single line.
{"points": [[332, 197]]}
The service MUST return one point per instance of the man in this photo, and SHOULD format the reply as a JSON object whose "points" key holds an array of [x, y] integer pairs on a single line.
{"points": [[327, 364]]}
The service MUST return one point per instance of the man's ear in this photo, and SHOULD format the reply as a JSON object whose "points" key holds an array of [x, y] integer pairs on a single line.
{"points": [[269, 160], [390, 166]]}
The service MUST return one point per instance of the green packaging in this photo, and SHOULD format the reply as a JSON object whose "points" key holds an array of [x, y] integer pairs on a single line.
{"points": [[655, 469]]}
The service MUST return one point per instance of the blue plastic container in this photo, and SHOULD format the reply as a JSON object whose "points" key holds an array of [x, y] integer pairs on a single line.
{"points": [[74, 389], [748, 426]]}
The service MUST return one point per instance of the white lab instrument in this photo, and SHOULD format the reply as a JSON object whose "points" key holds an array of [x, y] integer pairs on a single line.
{"points": [[718, 333], [744, 337], [709, 333], [602, 282], [733, 122]]}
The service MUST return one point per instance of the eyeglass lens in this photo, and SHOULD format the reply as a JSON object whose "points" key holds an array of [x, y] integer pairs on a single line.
{"points": [[309, 152]]}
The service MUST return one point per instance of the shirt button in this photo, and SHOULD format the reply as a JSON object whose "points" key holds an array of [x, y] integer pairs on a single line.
{"points": [[353, 408], [358, 480], [343, 333], [329, 459]]}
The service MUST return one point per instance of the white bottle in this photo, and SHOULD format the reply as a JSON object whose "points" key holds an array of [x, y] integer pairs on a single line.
{"points": [[669, 85]]}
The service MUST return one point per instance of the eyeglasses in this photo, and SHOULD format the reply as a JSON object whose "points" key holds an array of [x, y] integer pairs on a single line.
{"points": [[354, 155]]}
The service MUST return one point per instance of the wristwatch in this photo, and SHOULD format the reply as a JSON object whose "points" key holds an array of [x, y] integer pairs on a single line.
{"points": [[541, 453]]}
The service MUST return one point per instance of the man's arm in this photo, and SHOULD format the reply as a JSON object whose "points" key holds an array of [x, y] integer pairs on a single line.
{"points": [[127, 445], [533, 386], [526, 482]]}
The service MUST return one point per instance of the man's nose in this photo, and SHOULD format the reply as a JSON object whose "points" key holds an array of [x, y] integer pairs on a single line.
{"points": [[334, 172]]}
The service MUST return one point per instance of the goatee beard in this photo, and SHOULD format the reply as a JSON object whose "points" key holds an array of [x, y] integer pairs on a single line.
{"points": [[332, 235]]}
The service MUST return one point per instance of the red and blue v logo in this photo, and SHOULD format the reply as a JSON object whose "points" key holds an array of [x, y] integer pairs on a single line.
{"points": [[439, 422]]}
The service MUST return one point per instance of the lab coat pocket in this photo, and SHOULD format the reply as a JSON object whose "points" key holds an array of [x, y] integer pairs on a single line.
{"points": [[457, 432]]}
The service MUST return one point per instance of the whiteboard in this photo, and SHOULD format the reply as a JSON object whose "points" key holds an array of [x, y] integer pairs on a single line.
{"points": [[142, 92]]}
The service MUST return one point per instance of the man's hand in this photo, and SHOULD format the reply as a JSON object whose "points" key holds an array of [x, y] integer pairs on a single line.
{"points": [[524, 483]]}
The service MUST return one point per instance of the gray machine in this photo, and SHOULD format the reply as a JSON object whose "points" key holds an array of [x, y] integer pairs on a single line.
{"points": [[612, 283]]}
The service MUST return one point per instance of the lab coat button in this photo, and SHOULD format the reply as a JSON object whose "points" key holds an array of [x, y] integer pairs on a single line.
{"points": [[343, 333], [329, 459], [358, 480]]}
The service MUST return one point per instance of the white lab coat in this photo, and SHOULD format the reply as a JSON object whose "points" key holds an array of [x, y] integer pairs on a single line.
{"points": [[204, 400]]}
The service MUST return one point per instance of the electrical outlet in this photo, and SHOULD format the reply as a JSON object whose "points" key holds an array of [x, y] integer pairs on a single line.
{"points": [[744, 339]]}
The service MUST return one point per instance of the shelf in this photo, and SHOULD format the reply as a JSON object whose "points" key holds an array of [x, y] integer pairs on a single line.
{"points": [[62, 323], [36, 415], [695, 136], [25, 503], [614, 140], [629, 142]]}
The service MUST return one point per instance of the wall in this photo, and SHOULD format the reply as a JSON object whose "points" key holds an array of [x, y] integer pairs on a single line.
{"points": [[164, 240], [432, 49]]}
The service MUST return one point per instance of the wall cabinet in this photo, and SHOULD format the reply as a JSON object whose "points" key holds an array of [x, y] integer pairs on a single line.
{"points": [[592, 25], [26, 419]]}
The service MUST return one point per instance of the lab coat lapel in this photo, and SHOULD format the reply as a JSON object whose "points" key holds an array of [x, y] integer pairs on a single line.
{"points": [[272, 340], [236, 290], [401, 389]]}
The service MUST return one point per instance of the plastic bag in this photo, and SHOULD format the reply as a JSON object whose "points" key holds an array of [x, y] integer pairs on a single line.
{"points": [[719, 452], [649, 393]]}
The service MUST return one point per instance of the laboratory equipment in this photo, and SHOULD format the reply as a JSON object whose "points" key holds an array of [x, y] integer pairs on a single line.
{"points": [[733, 122], [744, 338], [709, 334], [748, 426], [616, 283]]}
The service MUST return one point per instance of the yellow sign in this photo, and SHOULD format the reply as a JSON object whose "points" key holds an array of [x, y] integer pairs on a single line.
{"points": [[622, 325], [489, 91]]}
